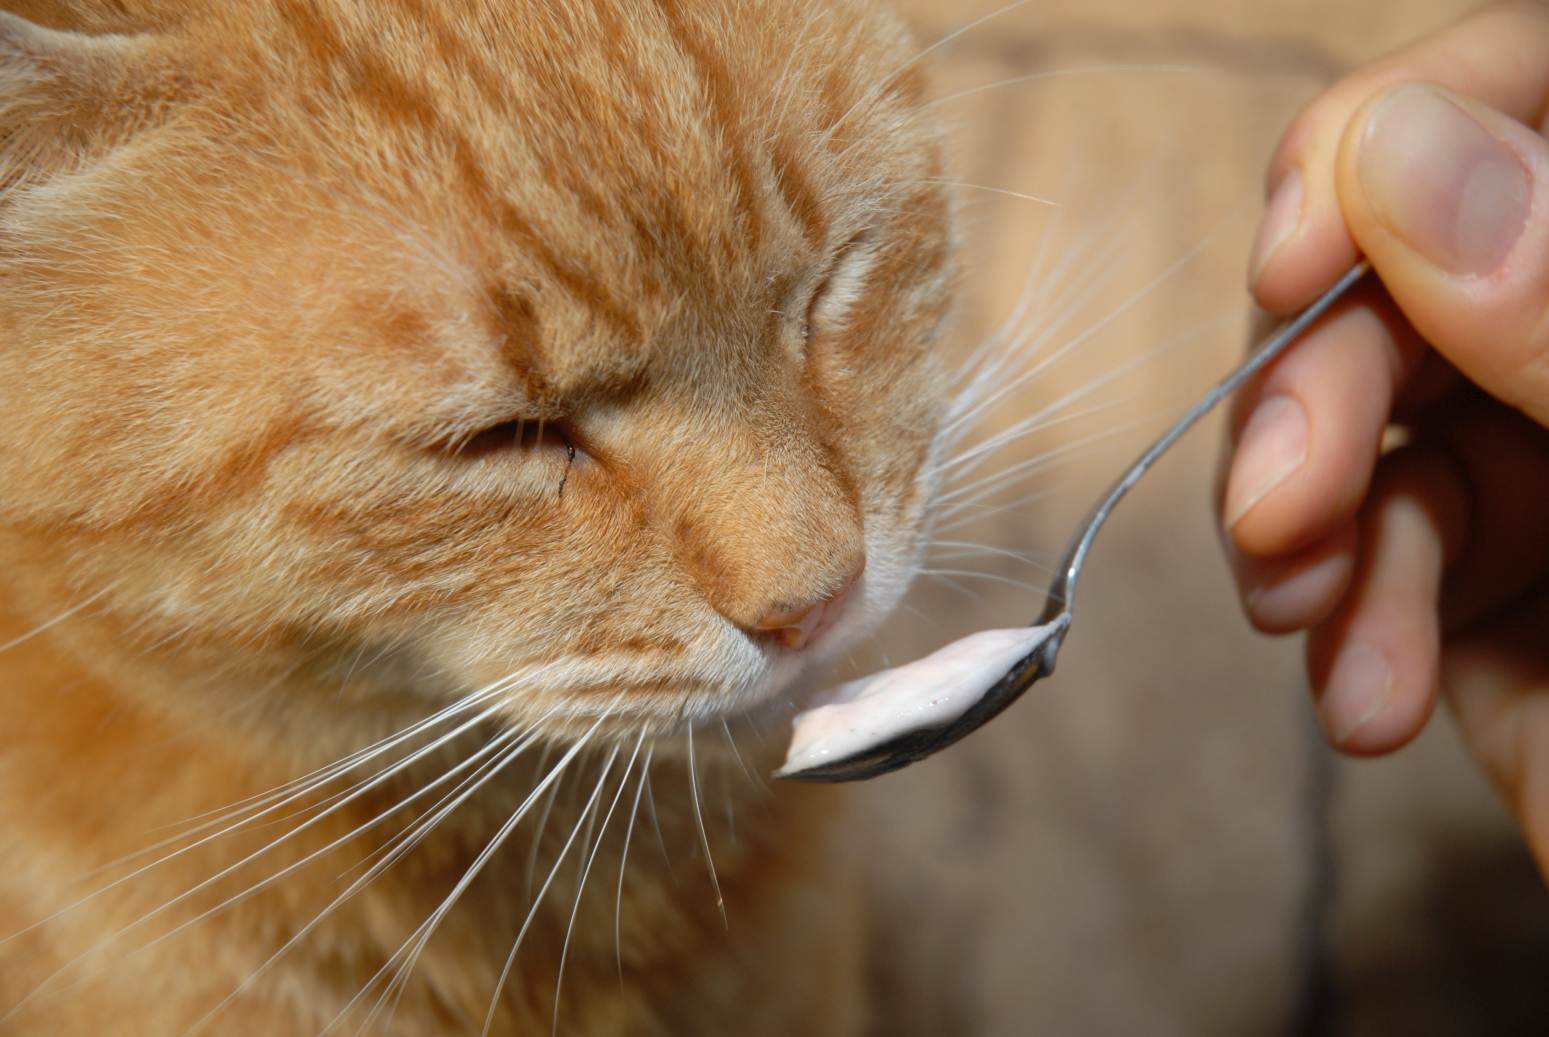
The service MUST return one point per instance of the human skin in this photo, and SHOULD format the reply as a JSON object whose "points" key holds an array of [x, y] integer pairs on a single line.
{"points": [[1385, 488]]}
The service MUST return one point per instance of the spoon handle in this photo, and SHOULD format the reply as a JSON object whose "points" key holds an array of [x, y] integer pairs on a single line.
{"points": [[1062, 591]]}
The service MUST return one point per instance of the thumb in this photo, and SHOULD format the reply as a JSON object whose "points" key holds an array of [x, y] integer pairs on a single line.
{"points": [[1449, 199]]}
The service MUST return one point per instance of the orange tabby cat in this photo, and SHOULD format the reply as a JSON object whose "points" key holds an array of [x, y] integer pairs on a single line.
{"points": [[533, 392]]}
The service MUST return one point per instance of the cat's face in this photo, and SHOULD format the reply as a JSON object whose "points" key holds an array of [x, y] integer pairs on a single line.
{"points": [[420, 350]]}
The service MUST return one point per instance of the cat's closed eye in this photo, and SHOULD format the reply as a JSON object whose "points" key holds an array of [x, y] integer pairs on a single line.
{"points": [[543, 451], [520, 438]]}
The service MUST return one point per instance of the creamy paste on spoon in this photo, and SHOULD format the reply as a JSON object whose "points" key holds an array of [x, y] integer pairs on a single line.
{"points": [[929, 692]]}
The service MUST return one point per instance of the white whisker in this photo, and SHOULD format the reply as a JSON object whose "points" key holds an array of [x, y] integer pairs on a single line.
{"points": [[963, 548], [1058, 73], [67, 614], [1003, 191], [101, 945], [978, 574], [505, 972], [656, 821], [374, 872], [882, 84], [984, 511], [541, 827], [1043, 420], [737, 754], [618, 901], [591, 856], [704, 836], [421, 935]]}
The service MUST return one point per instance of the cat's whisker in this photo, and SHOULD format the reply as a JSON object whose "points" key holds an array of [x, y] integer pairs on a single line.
{"points": [[981, 575], [1050, 416], [983, 550], [375, 871], [1121, 371], [704, 835], [989, 510], [333, 770], [1028, 345], [344, 896], [731, 811], [656, 821], [591, 856], [1150, 356], [1092, 330], [532, 912], [1024, 427], [542, 826], [346, 792], [983, 363], [974, 490], [977, 599], [66, 615], [1004, 192], [737, 755], [969, 496], [991, 485], [882, 84], [411, 834], [1043, 420], [1048, 571], [991, 384], [984, 360], [1016, 475], [166, 906], [618, 897], [422, 934], [752, 721], [382, 653], [1087, 260], [296, 790], [964, 548], [1052, 74]]}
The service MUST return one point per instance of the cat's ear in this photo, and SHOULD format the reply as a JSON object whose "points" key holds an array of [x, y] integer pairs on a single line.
{"points": [[56, 87]]}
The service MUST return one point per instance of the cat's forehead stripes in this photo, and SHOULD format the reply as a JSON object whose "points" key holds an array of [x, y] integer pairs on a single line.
{"points": [[409, 105], [683, 171], [724, 118]]}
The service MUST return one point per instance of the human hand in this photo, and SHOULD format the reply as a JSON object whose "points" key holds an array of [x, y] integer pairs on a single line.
{"points": [[1423, 567]]}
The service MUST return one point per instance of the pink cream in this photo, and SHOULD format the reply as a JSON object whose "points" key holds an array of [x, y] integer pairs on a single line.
{"points": [[930, 692]]}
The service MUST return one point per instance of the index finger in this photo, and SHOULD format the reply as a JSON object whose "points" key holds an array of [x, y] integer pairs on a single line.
{"points": [[1499, 55]]}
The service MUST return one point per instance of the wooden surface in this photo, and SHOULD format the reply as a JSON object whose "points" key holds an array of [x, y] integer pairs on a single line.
{"points": [[1155, 841]]}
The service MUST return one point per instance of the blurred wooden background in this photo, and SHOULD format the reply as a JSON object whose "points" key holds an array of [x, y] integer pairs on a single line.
{"points": [[1156, 842]]}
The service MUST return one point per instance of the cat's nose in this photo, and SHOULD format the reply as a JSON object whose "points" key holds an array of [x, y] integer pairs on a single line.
{"points": [[795, 629]]}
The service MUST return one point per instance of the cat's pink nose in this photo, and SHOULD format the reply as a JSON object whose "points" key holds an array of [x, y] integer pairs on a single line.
{"points": [[797, 628]]}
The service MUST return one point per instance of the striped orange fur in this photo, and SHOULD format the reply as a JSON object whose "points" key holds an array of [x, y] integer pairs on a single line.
{"points": [[359, 355]]}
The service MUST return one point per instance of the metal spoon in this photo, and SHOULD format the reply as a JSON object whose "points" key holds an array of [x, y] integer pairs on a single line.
{"points": [[1059, 605]]}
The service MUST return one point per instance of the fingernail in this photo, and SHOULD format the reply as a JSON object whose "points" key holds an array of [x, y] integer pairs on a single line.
{"points": [[1442, 183], [1282, 216], [1273, 445], [1359, 688], [1296, 599]]}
